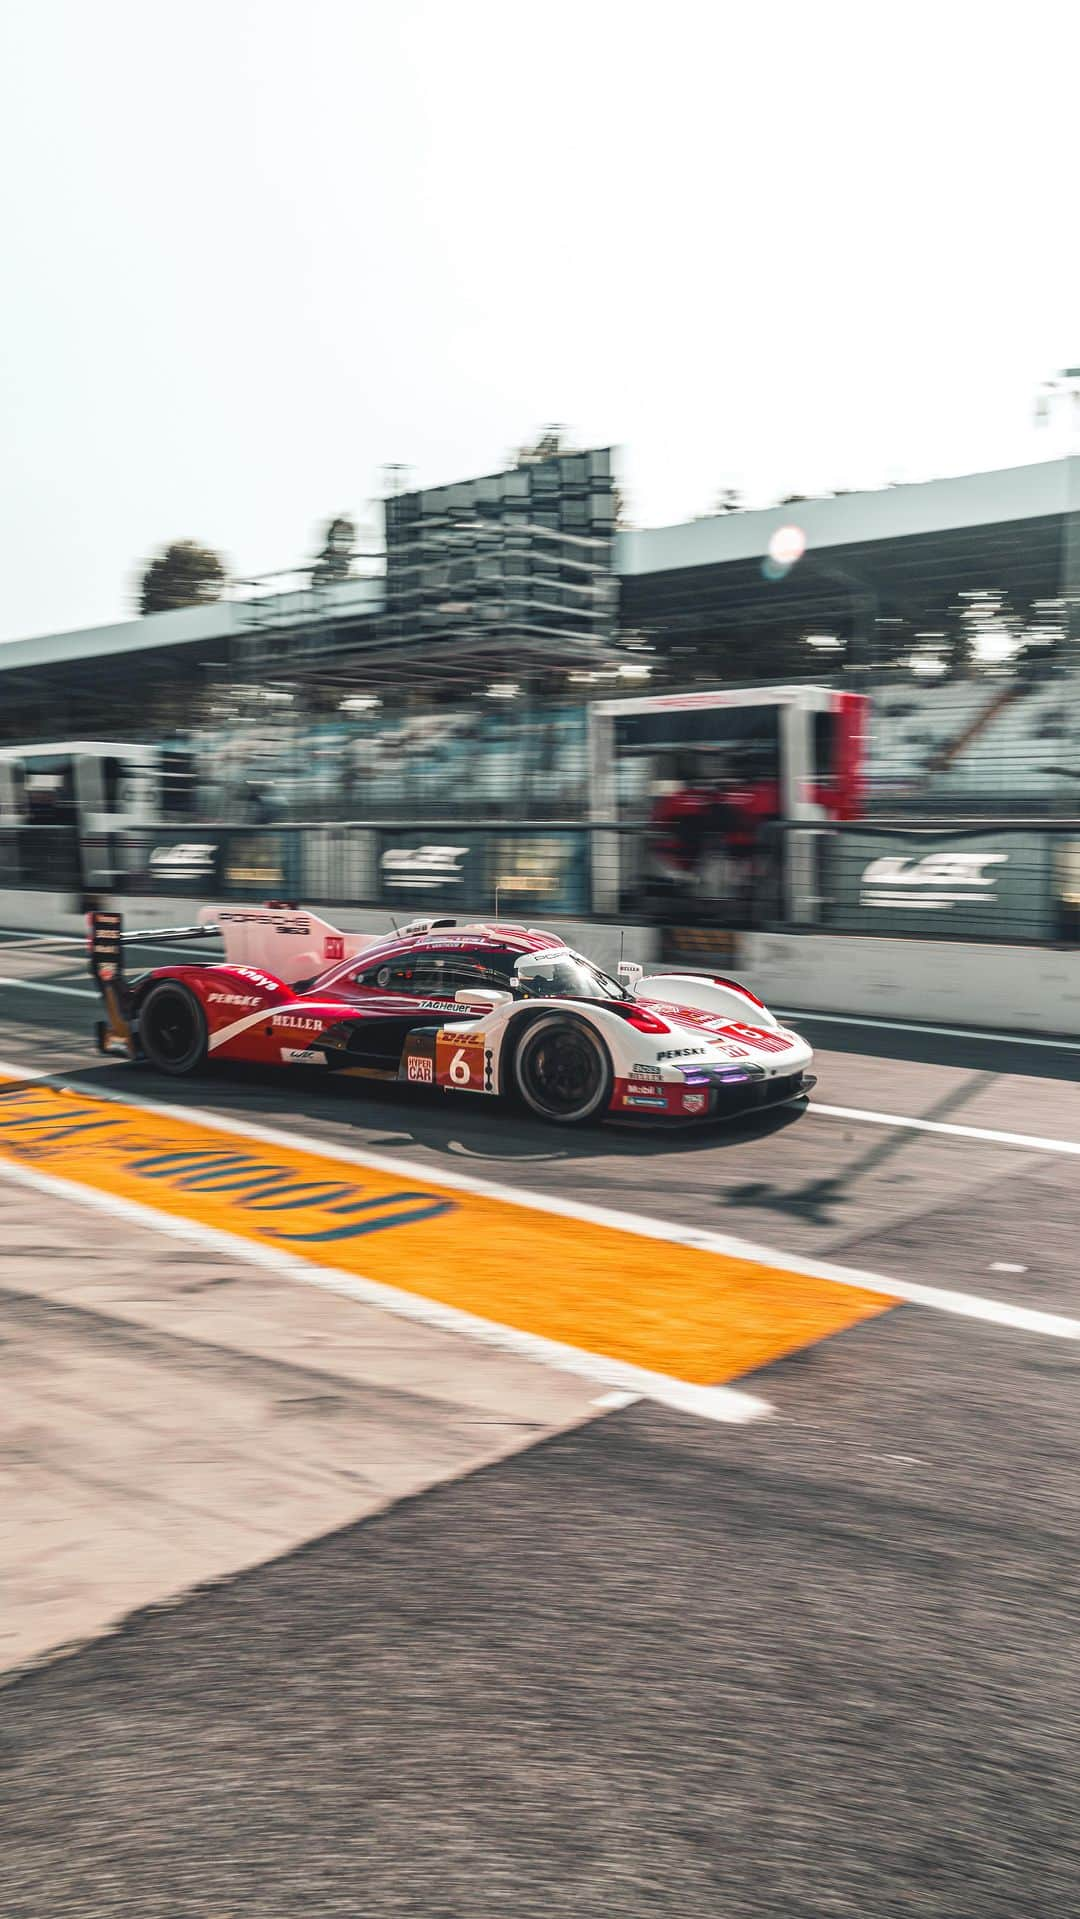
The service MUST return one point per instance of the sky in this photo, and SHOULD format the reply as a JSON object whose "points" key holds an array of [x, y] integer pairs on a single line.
{"points": [[252, 252]]}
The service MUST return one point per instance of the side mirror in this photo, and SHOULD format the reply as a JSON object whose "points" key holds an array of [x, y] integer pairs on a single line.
{"points": [[481, 996]]}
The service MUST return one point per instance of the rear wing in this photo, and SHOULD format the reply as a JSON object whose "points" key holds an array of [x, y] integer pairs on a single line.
{"points": [[286, 941], [107, 940]]}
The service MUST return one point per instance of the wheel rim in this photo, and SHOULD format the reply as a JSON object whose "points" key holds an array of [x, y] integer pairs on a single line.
{"points": [[172, 1029], [563, 1071]]}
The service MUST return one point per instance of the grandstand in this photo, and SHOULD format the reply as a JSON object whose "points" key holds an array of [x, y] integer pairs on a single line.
{"points": [[463, 692], [977, 747]]}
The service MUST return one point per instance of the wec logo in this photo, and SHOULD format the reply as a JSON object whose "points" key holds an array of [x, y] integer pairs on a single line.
{"points": [[427, 865], [936, 880]]}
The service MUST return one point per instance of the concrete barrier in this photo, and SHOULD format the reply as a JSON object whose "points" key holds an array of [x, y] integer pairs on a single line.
{"points": [[1029, 989]]}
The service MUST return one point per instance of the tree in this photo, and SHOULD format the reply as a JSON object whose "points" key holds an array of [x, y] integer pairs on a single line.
{"points": [[183, 574], [335, 557]]}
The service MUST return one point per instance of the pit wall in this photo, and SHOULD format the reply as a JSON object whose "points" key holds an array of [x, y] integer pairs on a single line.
{"points": [[1028, 989]]}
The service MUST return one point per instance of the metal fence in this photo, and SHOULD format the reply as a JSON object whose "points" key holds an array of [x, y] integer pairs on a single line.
{"points": [[1016, 881]]}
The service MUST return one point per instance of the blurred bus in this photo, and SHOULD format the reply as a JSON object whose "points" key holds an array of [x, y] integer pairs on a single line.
{"points": [[82, 797]]}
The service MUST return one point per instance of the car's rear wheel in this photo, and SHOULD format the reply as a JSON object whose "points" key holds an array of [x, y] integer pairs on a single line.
{"points": [[562, 1069], [172, 1028]]}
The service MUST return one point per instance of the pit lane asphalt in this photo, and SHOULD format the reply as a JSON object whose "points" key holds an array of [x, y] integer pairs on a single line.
{"points": [[821, 1665], [944, 1210]]}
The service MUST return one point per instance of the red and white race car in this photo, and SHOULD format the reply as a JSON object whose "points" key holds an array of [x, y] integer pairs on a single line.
{"points": [[478, 1008]]}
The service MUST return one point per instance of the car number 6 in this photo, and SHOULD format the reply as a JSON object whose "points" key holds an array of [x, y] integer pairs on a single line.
{"points": [[460, 1070]]}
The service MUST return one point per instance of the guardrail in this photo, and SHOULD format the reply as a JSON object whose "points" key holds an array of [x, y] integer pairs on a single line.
{"points": [[985, 880]]}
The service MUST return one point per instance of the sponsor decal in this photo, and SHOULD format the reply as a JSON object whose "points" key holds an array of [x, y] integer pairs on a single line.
{"points": [[302, 1056], [541, 869], [938, 880], [255, 860], [256, 978], [695, 1102], [334, 947], [422, 1070], [696, 945], [650, 1072], [680, 1052], [637, 1099], [292, 923], [291, 1023], [232, 999], [643, 1086]]}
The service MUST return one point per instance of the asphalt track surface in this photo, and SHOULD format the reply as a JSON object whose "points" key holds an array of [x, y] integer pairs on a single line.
{"points": [[821, 1664]]}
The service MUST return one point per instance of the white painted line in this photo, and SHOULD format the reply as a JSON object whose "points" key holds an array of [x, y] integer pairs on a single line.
{"points": [[953, 1130], [929, 1030], [41, 942], [47, 986], [723, 1403], [943, 1299], [1006, 1266], [52, 945]]}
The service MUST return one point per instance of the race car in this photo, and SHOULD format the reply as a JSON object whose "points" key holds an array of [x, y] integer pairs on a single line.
{"points": [[487, 1007]]}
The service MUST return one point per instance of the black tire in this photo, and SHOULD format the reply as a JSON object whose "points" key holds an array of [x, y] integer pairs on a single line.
{"points": [[172, 1028], [563, 1071]]}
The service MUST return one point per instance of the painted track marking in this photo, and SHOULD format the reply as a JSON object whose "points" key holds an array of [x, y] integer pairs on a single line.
{"points": [[941, 1299], [988, 1134], [625, 1383], [661, 1302]]}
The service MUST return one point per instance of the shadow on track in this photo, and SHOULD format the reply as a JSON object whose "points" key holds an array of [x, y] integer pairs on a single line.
{"points": [[453, 1123]]}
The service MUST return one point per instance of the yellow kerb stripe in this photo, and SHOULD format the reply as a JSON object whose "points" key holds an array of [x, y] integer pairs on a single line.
{"points": [[696, 1315]]}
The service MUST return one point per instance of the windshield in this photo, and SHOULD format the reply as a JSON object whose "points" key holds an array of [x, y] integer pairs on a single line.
{"points": [[559, 974]]}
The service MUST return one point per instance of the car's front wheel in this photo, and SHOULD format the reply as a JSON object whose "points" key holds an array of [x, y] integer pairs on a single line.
{"points": [[172, 1028], [562, 1069]]}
